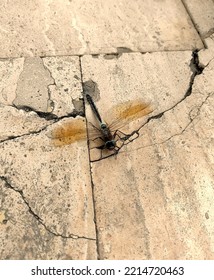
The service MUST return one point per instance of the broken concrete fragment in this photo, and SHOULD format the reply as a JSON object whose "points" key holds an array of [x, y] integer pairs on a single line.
{"points": [[32, 87], [54, 172], [66, 91]]}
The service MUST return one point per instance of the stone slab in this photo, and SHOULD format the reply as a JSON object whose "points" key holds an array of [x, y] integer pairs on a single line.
{"points": [[154, 200], [50, 85], [46, 206], [46, 198], [49, 28], [202, 13], [24, 237]]}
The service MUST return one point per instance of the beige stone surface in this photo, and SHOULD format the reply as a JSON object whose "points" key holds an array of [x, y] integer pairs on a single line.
{"points": [[23, 236], [45, 198], [46, 85], [47, 28], [16, 122], [10, 70], [207, 55], [155, 199], [202, 14]]}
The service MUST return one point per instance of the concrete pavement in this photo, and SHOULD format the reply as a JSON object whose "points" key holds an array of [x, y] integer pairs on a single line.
{"points": [[154, 200]]}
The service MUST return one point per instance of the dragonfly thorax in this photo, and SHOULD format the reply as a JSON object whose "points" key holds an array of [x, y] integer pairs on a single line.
{"points": [[103, 126], [107, 137], [110, 145]]}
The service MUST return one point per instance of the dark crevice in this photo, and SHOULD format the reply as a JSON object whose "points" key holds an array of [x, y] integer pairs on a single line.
{"points": [[49, 116], [90, 167], [39, 220], [196, 70], [43, 115], [54, 120]]}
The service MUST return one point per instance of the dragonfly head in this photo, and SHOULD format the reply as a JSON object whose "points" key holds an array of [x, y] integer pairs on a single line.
{"points": [[110, 145], [103, 126]]}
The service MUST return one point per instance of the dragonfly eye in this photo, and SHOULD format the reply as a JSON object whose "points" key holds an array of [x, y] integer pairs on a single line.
{"points": [[103, 125], [110, 145]]}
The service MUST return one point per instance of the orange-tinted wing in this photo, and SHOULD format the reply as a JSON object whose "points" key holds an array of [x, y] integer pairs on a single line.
{"points": [[68, 132], [127, 112]]}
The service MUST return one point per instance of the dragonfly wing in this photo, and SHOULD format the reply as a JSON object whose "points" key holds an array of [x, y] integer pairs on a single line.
{"points": [[68, 132], [127, 112]]}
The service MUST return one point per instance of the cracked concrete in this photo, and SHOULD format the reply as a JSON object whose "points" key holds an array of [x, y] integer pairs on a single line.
{"points": [[156, 177], [34, 241], [154, 199]]}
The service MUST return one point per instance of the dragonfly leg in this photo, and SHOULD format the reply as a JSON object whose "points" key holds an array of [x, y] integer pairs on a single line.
{"points": [[126, 137]]}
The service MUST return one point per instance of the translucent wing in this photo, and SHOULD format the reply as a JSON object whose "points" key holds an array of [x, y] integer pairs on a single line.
{"points": [[127, 112], [68, 132]]}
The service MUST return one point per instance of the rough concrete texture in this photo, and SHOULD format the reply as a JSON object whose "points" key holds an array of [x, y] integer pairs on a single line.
{"points": [[52, 186], [24, 236], [16, 122], [46, 85], [207, 55], [44, 28], [154, 200], [202, 14]]}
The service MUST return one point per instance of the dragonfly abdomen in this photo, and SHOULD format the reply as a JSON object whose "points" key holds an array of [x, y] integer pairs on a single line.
{"points": [[93, 107]]}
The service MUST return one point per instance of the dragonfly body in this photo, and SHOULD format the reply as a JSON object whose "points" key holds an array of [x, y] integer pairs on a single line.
{"points": [[107, 136]]}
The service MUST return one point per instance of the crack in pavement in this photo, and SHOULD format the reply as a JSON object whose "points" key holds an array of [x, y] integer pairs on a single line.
{"points": [[39, 220], [196, 70], [208, 63], [191, 120], [55, 120], [184, 129], [91, 172], [50, 102]]}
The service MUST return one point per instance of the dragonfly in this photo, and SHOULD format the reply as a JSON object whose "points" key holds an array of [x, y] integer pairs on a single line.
{"points": [[108, 138]]}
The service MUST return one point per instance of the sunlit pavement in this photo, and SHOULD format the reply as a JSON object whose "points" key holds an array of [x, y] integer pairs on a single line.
{"points": [[154, 199]]}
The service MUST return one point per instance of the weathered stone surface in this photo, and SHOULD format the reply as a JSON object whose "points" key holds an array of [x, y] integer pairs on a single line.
{"points": [[47, 28], [47, 85], [10, 70], [24, 236], [66, 91], [155, 199], [32, 87], [202, 13], [16, 122], [46, 198], [207, 55]]}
